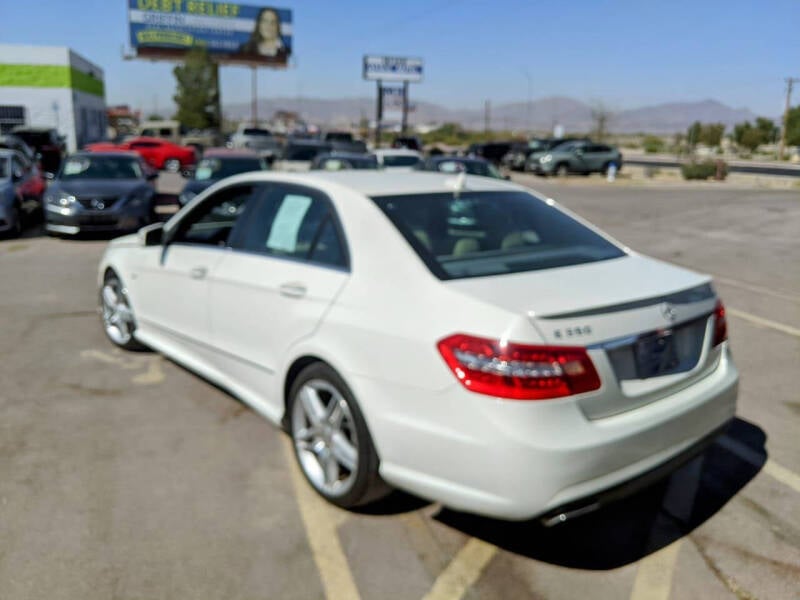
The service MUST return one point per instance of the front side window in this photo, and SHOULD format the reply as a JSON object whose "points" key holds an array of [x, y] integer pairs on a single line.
{"points": [[478, 234], [294, 222], [213, 222]]}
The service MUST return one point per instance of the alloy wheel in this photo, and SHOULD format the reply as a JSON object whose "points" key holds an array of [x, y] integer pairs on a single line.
{"points": [[118, 318], [325, 439]]}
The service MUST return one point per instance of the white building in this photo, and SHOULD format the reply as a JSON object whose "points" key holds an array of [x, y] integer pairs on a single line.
{"points": [[52, 87]]}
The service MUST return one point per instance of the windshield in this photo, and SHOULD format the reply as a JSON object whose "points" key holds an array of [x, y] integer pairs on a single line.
{"points": [[101, 167], [472, 167], [256, 132], [219, 168], [400, 161], [492, 233]]}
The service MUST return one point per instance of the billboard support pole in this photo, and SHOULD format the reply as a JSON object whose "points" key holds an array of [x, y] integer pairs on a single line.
{"points": [[254, 96], [379, 115], [404, 125]]}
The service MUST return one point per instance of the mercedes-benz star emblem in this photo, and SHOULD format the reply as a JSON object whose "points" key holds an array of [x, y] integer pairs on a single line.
{"points": [[669, 312]]}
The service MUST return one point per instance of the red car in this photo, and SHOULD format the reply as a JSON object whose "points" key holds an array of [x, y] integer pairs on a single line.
{"points": [[158, 153]]}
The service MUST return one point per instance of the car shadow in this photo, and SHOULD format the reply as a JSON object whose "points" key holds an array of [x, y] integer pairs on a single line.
{"points": [[627, 530]]}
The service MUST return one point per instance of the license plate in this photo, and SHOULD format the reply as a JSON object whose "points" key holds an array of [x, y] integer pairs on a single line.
{"points": [[656, 354]]}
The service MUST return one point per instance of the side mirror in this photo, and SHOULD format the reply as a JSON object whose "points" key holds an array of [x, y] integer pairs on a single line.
{"points": [[17, 175], [151, 235], [188, 173], [578, 151]]}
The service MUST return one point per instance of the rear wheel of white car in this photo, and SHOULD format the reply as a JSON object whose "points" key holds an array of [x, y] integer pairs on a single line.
{"points": [[331, 441], [119, 322]]}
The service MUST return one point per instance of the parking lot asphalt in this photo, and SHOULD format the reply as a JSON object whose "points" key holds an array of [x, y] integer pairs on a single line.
{"points": [[125, 476]]}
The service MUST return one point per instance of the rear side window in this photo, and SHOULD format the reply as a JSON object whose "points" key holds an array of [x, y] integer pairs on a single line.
{"points": [[492, 233], [297, 223]]}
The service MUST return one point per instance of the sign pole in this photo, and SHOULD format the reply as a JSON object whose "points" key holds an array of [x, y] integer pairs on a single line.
{"points": [[404, 125], [379, 115]]}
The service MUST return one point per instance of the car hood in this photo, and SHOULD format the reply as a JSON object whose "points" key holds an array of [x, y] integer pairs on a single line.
{"points": [[99, 187]]}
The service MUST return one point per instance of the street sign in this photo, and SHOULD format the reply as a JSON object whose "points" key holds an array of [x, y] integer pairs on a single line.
{"points": [[392, 68]]}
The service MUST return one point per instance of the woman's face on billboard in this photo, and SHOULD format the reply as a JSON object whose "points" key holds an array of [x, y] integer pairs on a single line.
{"points": [[268, 26]]}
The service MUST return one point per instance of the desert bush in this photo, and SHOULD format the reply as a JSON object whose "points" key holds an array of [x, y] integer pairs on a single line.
{"points": [[718, 169]]}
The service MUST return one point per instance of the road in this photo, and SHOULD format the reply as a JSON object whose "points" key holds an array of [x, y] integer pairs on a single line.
{"points": [[125, 476]]}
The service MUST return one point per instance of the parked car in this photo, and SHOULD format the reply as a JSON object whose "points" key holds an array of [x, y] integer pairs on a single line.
{"points": [[10, 141], [577, 157], [410, 142], [516, 363], [457, 164], [398, 159], [491, 151], [47, 143], [343, 141], [100, 191], [172, 131], [217, 164], [21, 189], [258, 139], [339, 161], [298, 154], [158, 153], [520, 153]]}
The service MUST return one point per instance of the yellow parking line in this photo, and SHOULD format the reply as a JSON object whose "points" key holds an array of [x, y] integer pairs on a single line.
{"points": [[463, 571], [321, 521], [764, 322], [771, 468], [654, 575]]}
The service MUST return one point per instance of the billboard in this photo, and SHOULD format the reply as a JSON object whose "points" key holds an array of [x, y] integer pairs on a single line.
{"points": [[232, 33], [392, 68]]}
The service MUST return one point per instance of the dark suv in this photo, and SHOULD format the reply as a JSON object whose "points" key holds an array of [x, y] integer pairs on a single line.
{"points": [[45, 142]]}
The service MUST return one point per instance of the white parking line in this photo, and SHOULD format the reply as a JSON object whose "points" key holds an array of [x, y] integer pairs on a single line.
{"points": [[654, 575], [756, 288], [764, 322], [321, 521], [463, 571], [779, 472]]}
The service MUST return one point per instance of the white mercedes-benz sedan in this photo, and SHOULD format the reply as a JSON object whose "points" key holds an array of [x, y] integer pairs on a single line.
{"points": [[453, 336]]}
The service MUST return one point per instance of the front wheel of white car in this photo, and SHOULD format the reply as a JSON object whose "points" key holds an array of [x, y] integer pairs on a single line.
{"points": [[331, 441], [119, 322]]}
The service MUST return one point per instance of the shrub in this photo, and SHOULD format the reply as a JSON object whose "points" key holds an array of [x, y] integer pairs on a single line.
{"points": [[652, 144], [718, 169]]}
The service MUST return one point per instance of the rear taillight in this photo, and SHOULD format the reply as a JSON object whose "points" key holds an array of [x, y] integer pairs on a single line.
{"points": [[720, 324], [518, 371]]}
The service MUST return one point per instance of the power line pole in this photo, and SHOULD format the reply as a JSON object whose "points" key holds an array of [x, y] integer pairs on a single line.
{"points": [[790, 81], [487, 109]]}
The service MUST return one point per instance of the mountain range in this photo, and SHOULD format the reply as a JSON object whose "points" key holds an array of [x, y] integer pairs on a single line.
{"points": [[540, 115]]}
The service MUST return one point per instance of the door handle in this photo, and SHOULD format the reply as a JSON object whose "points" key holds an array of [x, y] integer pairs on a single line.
{"points": [[198, 273], [293, 290]]}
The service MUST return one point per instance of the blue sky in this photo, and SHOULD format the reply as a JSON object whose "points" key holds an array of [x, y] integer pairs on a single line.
{"points": [[624, 53]]}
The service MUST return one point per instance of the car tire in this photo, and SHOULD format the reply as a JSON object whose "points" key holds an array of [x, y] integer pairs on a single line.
{"points": [[119, 321], [172, 165], [332, 444], [561, 170]]}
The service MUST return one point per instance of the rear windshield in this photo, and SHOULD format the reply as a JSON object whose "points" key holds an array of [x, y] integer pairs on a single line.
{"points": [[219, 168], [492, 233], [400, 160]]}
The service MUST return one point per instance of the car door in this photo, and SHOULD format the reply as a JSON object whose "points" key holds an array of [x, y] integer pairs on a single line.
{"points": [[285, 269], [171, 291], [147, 150]]}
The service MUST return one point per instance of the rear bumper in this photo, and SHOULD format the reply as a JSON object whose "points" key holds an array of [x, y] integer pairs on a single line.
{"points": [[519, 460]]}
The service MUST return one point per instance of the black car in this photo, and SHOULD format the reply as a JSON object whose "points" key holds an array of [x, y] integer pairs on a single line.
{"points": [[100, 191], [339, 161], [491, 151], [410, 142], [47, 143], [458, 164], [216, 165]]}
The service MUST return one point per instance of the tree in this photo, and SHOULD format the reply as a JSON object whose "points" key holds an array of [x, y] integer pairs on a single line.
{"points": [[693, 134], [769, 132], [601, 115], [155, 117], [197, 94], [750, 138], [793, 127], [711, 134]]}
